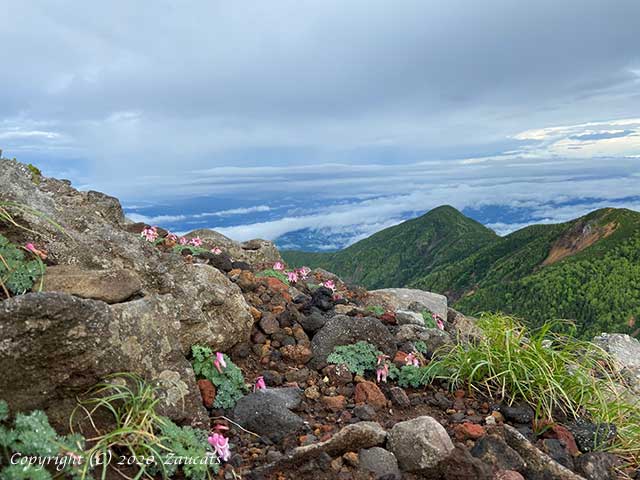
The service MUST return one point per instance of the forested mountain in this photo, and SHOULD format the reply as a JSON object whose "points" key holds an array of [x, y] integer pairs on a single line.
{"points": [[404, 253], [587, 270]]}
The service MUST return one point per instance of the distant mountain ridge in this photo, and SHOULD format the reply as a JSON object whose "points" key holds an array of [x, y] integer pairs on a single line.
{"points": [[587, 269]]}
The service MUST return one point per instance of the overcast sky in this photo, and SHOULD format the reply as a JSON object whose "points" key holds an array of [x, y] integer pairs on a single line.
{"points": [[355, 114]]}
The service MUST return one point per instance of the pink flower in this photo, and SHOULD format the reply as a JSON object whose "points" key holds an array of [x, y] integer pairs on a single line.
{"points": [[330, 284], [382, 358], [150, 234], [221, 445], [382, 372], [219, 362], [292, 276], [183, 241], [337, 297], [411, 359], [31, 247], [259, 385], [196, 241], [172, 237], [303, 272], [278, 266], [216, 251], [438, 320]]}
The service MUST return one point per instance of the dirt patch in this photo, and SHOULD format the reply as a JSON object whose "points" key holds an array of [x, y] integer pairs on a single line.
{"points": [[579, 238]]}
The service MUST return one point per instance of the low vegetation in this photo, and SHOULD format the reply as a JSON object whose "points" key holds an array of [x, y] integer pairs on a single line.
{"points": [[222, 372], [553, 372]]}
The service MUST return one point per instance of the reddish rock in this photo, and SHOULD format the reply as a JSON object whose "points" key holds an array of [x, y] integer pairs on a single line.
{"points": [[369, 393], [389, 318], [336, 403], [277, 309], [296, 353], [208, 392], [277, 286], [338, 374], [468, 431], [565, 436], [400, 358], [246, 281]]}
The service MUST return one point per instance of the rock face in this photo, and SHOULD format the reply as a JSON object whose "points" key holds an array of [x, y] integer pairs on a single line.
{"points": [[55, 346], [157, 305], [111, 286], [419, 444], [626, 351], [343, 330], [401, 298]]}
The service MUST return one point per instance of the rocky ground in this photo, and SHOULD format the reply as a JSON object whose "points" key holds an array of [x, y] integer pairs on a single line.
{"points": [[115, 302]]}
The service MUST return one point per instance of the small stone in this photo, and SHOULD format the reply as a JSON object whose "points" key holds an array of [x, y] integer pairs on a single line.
{"points": [[255, 313], [312, 393], [364, 412], [370, 393], [336, 464], [351, 459], [269, 324], [468, 431], [272, 378], [208, 392], [336, 403], [490, 420], [522, 414], [399, 397], [296, 353]]}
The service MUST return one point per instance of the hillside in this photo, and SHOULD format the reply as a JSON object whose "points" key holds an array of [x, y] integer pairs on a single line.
{"points": [[402, 254], [586, 269]]}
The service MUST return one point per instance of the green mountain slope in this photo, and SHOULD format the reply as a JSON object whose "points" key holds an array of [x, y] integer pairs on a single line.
{"points": [[587, 270], [401, 254]]}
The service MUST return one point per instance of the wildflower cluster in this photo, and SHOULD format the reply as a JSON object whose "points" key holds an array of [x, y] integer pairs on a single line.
{"points": [[194, 244], [432, 320], [293, 276], [222, 372]]}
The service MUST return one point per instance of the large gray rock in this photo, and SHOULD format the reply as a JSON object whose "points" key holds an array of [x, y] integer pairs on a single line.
{"points": [[419, 444], [407, 317], [343, 330], [379, 463], [433, 338], [401, 298], [625, 350], [54, 346], [268, 414], [463, 328]]}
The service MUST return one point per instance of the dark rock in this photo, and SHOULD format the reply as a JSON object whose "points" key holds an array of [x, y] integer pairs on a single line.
{"points": [[522, 414], [493, 450], [240, 266], [460, 464], [268, 414], [364, 412], [557, 451], [399, 397], [272, 378], [321, 298], [313, 322], [381, 463], [298, 376], [269, 324], [590, 436], [221, 261], [598, 465], [343, 330], [441, 400]]}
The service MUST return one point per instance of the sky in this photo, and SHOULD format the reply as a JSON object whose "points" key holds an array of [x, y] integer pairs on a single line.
{"points": [[317, 123]]}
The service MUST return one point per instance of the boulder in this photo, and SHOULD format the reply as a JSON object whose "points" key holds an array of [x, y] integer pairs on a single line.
{"points": [[493, 450], [625, 350], [462, 328], [419, 444], [110, 286], [253, 252], [401, 298], [268, 414], [433, 338], [54, 345], [379, 463], [343, 330], [598, 465]]}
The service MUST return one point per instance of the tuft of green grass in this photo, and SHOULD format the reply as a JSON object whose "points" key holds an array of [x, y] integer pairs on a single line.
{"points": [[550, 371], [139, 432], [275, 274]]}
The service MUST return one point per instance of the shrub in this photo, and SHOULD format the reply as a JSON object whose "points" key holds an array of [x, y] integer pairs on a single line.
{"points": [[552, 372], [228, 379], [358, 357]]}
